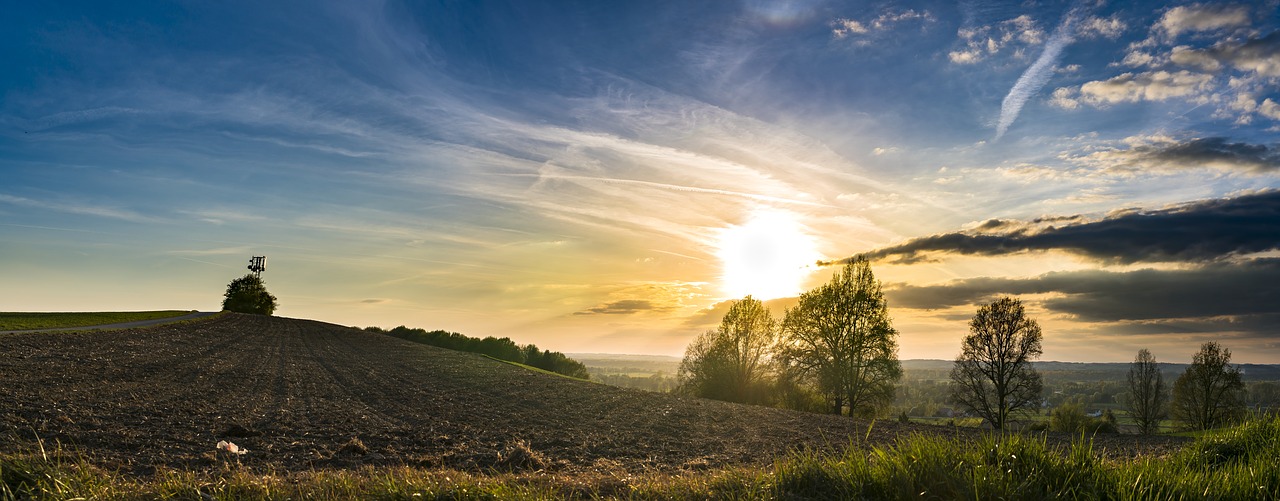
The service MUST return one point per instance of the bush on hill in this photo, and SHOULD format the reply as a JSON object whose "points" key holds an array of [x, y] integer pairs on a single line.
{"points": [[248, 294]]}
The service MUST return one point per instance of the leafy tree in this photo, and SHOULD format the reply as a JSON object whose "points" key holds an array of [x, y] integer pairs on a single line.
{"points": [[993, 376], [248, 294], [1147, 400], [1210, 393], [704, 370], [730, 363], [840, 337]]}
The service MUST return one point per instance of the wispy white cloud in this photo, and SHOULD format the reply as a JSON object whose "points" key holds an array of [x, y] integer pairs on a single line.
{"points": [[981, 42], [846, 27], [1098, 27], [82, 209], [221, 251], [1037, 75], [222, 216], [78, 116]]}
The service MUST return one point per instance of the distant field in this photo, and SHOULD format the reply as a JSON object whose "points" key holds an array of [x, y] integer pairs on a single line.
{"points": [[28, 321]]}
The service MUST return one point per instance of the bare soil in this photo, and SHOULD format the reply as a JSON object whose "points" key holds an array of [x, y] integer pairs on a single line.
{"points": [[300, 395]]}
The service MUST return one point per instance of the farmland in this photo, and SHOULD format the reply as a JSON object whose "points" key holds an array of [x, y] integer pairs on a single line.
{"points": [[306, 398], [300, 395]]}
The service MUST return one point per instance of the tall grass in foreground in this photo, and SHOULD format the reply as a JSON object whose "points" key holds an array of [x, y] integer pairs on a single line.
{"points": [[1236, 463]]}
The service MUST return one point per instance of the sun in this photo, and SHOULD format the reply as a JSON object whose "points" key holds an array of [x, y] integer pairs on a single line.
{"points": [[768, 257]]}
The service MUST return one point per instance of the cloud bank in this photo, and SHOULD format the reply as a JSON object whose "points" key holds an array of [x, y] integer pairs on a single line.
{"points": [[1223, 289], [1210, 152], [1200, 232]]}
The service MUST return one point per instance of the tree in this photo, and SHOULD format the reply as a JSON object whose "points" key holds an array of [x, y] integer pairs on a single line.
{"points": [[1210, 392], [1147, 399], [993, 376], [1069, 418], [730, 363], [248, 294], [840, 337]]}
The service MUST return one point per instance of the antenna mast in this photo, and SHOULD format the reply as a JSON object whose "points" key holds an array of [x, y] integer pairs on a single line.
{"points": [[258, 264]]}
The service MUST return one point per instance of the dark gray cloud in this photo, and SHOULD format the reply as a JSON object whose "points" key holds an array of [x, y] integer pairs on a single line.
{"points": [[1223, 292], [1212, 152], [1197, 232], [1261, 326], [1258, 55], [623, 307]]}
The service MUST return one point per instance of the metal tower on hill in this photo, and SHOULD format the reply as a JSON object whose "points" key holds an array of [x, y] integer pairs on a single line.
{"points": [[258, 264]]}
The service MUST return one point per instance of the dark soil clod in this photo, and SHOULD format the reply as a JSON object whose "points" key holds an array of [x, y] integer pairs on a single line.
{"points": [[237, 431], [354, 447]]}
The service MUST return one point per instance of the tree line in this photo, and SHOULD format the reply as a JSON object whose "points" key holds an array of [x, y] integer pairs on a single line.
{"points": [[836, 351], [499, 348]]}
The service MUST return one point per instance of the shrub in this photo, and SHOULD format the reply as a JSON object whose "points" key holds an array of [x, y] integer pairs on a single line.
{"points": [[248, 294], [1070, 418]]}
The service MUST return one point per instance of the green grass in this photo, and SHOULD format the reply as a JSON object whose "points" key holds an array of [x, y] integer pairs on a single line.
{"points": [[28, 321], [532, 368], [1234, 463]]}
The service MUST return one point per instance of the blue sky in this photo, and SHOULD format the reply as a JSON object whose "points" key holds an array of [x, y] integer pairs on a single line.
{"points": [[603, 176]]}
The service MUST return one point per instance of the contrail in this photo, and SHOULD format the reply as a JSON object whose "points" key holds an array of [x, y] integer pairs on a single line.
{"points": [[1038, 74]]}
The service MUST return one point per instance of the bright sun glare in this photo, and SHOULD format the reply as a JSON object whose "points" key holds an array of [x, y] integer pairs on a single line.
{"points": [[768, 257]]}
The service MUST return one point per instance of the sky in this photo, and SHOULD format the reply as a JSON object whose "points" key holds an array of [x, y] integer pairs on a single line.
{"points": [[606, 176]]}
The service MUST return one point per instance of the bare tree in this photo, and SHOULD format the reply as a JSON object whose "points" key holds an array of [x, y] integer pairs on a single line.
{"points": [[993, 376], [840, 337], [1210, 393], [1147, 394], [731, 362]]}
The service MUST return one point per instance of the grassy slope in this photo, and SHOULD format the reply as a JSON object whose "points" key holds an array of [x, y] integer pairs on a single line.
{"points": [[13, 321], [532, 368]]}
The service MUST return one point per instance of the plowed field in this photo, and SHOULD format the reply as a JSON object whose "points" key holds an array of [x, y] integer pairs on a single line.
{"points": [[301, 394]]}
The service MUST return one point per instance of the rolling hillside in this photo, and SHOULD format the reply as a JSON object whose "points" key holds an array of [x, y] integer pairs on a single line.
{"points": [[301, 394]]}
